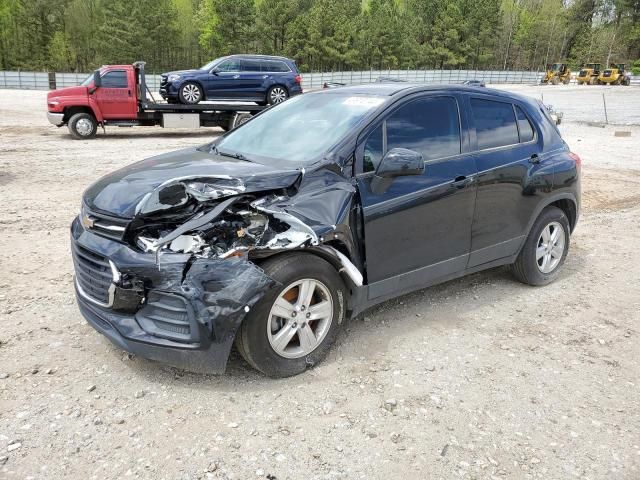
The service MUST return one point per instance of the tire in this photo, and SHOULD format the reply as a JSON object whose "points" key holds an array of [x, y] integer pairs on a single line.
{"points": [[566, 81], [258, 332], [82, 126], [581, 83], [555, 80], [626, 82], [277, 94], [527, 267], [190, 93], [238, 119]]}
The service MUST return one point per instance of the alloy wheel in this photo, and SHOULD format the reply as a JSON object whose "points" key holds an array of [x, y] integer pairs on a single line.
{"points": [[550, 247], [300, 318], [278, 95], [191, 93]]}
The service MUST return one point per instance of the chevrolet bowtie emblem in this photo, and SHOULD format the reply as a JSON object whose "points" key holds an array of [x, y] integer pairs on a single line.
{"points": [[87, 221]]}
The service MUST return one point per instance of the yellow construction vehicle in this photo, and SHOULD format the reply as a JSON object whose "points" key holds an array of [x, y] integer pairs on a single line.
{"points": [[556, 73], [614, 75], [588, 74]]}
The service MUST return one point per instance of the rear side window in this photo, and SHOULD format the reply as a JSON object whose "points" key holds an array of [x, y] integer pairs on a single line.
{"points": [[430, 126], [115, 79], [251, 66], [274, 66], [524, 126], [495, 123]]}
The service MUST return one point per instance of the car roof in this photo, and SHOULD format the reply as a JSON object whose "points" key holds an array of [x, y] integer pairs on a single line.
{"points": [[257, 56], [396, 88]]}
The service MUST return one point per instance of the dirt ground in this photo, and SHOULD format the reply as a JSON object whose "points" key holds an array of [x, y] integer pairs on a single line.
{"points": [[480, 378]]}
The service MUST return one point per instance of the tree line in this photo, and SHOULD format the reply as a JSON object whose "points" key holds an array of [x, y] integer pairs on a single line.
{"points": [[321, 35]]}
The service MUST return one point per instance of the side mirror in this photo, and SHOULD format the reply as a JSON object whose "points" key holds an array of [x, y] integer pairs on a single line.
{"points": [[396, 163], [214, 71], [97, 81]]}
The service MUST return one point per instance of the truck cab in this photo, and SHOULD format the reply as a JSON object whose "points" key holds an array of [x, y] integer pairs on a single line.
{"points": [[110, 93]]}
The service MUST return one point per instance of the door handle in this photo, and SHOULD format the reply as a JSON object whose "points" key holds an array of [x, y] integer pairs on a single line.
{"points": [[534, 158], [236, 76], [129, 92], [461, 181]]}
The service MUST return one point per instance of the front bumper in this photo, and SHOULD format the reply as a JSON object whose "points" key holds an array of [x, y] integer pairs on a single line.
{"points": [[56, 119], [184, 311]]}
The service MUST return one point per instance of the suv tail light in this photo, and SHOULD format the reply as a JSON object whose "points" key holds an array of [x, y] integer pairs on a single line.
{"points": [[298, 79], [576, 158]]}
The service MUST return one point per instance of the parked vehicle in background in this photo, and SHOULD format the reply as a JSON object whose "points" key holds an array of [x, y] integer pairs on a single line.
{"points": [[614, 75], [588, 74], [257, 78], [556, 74], [116, 95], [273, 241], [474, 83]]}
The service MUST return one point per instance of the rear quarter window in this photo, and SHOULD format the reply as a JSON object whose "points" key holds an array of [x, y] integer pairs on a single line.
{"points": [[495, 123], [274, 66], [524, 126]]}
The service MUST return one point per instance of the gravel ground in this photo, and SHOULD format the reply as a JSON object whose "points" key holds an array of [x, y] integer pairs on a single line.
{"points": [[481, 377]]}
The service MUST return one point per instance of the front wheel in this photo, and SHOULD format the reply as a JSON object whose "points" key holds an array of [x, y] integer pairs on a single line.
{"points": [[277, 94], [545, 249], [190, 93], [83, 126], [293, 326]]}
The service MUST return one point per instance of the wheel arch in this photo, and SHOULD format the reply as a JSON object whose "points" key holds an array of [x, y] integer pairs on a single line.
{"points": [[564, 201], [71, 111]]}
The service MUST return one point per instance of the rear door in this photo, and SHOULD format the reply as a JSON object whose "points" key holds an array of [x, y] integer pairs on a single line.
{"points": [[116, 97], [513, 174], [251, 79], [419, 229]]}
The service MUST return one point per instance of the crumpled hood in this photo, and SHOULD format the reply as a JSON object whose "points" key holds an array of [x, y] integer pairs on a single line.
{"points": [[131, 190]]}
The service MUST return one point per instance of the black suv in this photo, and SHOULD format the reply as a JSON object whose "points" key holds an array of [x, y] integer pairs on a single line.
{"points": [[273, 242]]}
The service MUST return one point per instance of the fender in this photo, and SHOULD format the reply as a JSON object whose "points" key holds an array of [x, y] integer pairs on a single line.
{"points": [[552, 198]]}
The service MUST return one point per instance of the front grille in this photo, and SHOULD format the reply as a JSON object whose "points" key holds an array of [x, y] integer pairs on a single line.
{"points": [[607, 73], [93, 273], [104, 225], [165, 315]]}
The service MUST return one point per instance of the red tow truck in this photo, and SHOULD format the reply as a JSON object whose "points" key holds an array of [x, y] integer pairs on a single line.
{"points": [[117, 95]]}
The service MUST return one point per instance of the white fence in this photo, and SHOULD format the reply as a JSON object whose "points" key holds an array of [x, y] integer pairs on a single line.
{"points": [[45, 81]]}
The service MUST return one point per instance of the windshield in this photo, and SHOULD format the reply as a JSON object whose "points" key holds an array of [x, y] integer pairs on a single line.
{"points": [[300, 129], [212, 63], [88, 80], [556, 66]]}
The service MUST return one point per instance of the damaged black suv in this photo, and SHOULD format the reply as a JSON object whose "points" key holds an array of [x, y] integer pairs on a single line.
{"points": [[279, 231]]}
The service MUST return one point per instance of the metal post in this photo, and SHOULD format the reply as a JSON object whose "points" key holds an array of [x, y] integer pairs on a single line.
{"points": [[604, 102]]}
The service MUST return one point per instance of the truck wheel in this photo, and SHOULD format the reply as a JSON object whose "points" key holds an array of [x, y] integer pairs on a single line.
{"points": [[555, 80], [82, 126], [190, 93], [238, 119], [627, 81], [293, 326], [277, 94]]}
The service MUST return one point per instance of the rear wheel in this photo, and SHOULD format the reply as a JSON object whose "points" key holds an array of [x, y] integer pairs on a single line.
{"points": [[555, 80], [545, 249], [277, 94], [293, 326], [190, 93], [82, 126]]}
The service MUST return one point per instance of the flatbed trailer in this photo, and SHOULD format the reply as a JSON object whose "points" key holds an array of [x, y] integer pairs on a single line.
{"points": [[116, 95]]}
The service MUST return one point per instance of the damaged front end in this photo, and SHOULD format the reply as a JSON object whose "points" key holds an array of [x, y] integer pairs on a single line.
{"points": [[181, 275]]}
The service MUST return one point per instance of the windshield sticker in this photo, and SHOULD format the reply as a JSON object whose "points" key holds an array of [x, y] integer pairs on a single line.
{"points": [[363, 101]]}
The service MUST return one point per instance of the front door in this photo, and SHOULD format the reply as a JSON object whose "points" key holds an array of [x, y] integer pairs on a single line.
{"points": [[116, 96], [419, 230], [224, 81]]}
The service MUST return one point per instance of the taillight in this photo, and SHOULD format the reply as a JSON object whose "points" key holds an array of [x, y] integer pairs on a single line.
{"points": [[298, 79], [576, 158]]}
